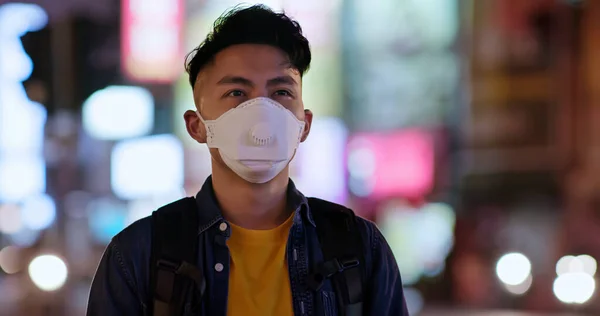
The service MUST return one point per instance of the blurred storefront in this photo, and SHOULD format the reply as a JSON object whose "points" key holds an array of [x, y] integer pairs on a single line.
{"points": [[524, 162]]}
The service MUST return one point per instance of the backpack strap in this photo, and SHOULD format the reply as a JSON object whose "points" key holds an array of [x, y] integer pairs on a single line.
{"points": [[173, 273], [343, 254]]}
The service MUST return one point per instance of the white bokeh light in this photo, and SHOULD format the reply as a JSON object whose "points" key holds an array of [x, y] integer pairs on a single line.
{"points": [[21, 176], [589, 264], [22, 167], [16, 19], [48, 272], [564, 265], [20, 18], [147, 167], [574, 287], [576, 264], [513, 268], [118, 112], [25, 237], [22, 127], [38, 212], [520, 288]]}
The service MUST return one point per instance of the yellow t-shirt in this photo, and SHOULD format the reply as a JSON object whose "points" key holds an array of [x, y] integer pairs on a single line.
{"points": [[259, 282]]}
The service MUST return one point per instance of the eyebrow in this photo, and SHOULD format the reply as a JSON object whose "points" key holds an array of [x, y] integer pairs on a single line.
{"points": [[286, 80], [236, 80]]}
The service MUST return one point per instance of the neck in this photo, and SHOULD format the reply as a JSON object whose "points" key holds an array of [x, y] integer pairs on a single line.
{"points": [[251, 205]]}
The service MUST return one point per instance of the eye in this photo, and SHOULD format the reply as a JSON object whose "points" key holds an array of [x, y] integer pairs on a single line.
{"points": [[283, 93], [235, 93]]}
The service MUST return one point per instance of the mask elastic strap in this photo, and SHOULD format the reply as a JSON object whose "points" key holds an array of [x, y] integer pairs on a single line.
{"points": [[200, 117], [207, 127]]}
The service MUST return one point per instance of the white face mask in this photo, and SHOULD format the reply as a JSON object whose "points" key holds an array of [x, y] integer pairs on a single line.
{"points": [[257, 139]]}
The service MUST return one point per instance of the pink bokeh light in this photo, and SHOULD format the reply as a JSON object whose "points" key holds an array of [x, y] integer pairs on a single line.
{"points": [[151, 40], [402, 164]]}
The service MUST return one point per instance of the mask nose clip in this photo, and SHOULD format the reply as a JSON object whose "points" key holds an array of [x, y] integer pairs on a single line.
{"points": [[261, 135]]}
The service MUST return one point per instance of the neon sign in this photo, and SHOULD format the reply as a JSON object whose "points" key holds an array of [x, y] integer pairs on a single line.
{"points": [[384, 165], [151, 40]]}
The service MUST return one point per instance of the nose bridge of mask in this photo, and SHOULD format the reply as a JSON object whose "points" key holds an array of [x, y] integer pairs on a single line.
{"points": [[258, 129]]}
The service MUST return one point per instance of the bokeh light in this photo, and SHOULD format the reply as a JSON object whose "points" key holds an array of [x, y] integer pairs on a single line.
{"points": [[414, 300], [513, 268], [38, 212], [147, 166], [106, 218], [48, 272], [520, 288], [564, 265], [10, 259], [589, 264], [420, 237], [575, 283], [322, 176], [383, 165], [576, 264], [574, 287], [119, 112], [25, 237], [21, 176]]}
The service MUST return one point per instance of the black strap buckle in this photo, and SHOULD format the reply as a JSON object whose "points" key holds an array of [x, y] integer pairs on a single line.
{"points": [[329, 268], [348, 263], [184, 268], [168, 265], [167, 270], [335, 265]]}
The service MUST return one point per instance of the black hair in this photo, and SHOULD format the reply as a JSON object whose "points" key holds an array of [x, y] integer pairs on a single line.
{"points": [[256, 24]]}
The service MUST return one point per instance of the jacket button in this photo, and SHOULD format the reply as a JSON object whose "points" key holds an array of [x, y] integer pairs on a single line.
{"points": [[219, 267], [223, 227]]}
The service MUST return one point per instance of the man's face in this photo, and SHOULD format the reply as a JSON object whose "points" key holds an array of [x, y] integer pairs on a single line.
{"points": [[240, 73]]}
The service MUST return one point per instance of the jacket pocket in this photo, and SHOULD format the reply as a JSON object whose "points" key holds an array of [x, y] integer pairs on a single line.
{"points": [[329, 303]]}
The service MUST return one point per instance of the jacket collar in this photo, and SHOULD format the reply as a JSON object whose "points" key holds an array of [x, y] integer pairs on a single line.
{"points": [[210, 212]]}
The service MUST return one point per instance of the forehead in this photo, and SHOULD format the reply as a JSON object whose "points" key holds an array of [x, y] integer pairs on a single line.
{"points": [[253, 61]]}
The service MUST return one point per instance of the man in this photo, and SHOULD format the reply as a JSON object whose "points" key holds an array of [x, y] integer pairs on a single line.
{"points": [[257, 242]]}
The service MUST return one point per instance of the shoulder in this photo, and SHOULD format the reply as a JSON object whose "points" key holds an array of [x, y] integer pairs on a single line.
{"points": [[140, 232], [370, 231], [370, 243], [371, 236], [134, 242], [330, 209], [133, 245]]}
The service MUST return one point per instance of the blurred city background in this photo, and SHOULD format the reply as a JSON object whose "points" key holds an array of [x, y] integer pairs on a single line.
{"points": [[463, 128]]}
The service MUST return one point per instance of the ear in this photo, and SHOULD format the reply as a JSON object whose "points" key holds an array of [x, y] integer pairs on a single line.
{"points": [[194, 126], [308, 117]]}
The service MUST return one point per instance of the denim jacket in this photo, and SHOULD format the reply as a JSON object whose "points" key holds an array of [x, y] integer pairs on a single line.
{"points": [[120, 286]]}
